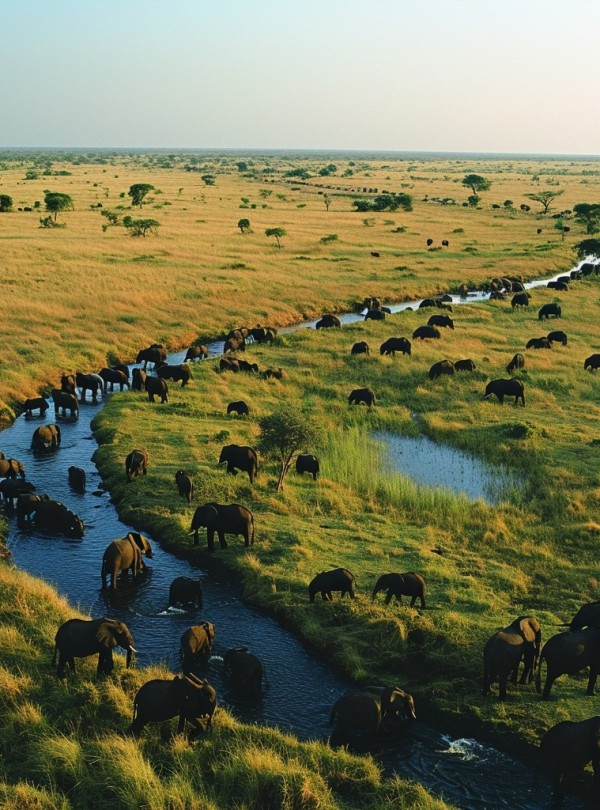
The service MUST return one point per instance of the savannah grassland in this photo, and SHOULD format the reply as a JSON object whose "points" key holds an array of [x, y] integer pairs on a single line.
{"points": [[76, 297]]}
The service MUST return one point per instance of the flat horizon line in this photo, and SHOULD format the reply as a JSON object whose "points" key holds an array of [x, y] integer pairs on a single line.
{"points": [[305, 151]]}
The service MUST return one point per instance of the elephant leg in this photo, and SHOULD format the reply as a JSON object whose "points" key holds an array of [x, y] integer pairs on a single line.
{"points": [[548, 686], [389, 595], [514, 673], [231, 469], [592, 682], [210, 539], [222, 541], [502, 681], [412, 601]]}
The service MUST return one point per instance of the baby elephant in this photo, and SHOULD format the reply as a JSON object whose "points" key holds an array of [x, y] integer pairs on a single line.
{"points": [[340, 579], [195, 641], [307, 463], [185, 592], [136, 463], [399, 585], [185, 485], [185, 695]]}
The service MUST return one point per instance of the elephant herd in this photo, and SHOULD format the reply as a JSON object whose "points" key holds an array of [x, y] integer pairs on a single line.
{"points": [[568, 745]]}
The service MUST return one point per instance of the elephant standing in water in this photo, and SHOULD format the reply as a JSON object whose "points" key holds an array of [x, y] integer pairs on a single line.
{"points": [[78, 638], [65, 401], [11, 467], [185, 695], [244, 670], [568, 747], [223, 519], [196, 640], [34, 404], [364, 712], [124, 555], [77, 479], [502, 654], [46, 437], [186, 592], [240, 457], [46, 515]]}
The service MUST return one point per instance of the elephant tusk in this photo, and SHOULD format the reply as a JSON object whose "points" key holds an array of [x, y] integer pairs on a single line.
{"points": [[132, 649]]}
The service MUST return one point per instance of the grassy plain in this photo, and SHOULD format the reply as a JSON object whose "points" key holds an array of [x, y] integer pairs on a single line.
{"points": [[76, 297]]}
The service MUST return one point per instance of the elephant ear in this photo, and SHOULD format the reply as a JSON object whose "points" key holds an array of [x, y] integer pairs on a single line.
{"points": [[137, 539], [528, 629], [209, 629], [106, 634]]}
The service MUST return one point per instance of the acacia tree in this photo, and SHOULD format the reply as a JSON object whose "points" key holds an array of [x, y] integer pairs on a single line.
{"points": [[6, 203], [476, 183], [544, 198], [140, 227], [244, 225], [138, 191], [55, 201], [278, 233], [285, 433], [588, 247], [589, 214]]}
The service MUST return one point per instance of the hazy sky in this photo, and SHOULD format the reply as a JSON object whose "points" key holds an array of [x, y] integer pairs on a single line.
{"points": [[443, 75]]}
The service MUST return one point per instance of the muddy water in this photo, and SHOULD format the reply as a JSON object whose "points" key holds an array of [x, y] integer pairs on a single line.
{"points": [[301, 688]]}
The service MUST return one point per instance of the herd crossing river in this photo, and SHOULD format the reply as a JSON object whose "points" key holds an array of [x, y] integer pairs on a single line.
{"points": [[301, 687]]}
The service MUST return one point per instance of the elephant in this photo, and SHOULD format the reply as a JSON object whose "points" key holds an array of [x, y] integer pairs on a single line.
{"points": [[362, 395], [67, 383], [521, 299], [138, 379], [517, 287], [357, 713], [397, 706], [465, 365], [76, 478], [79, 638], [185, 695], [114, 376], [538, 343], [592, 362], [65, 401], [196, 640], [229, 364], [374, 315], [562, 286], [588, 615], [136, 463], [11, 490], [497, 295], [442, 367], [426, 332], [244, 670], [240, 457], [428, 302], [263, 334], [197, 352], [393, 345], [506, 388], [274, 374], [123, 555], [238, 407], [239, 334], [223, 519], [185, 485], [185, 592], [549, 310], [46, 437], [588, 268], [234, 344], [362, 347], [517, 362], [504, 651], [307, 463], [34, 404], [153, 354], [328, 321], [11, 467], [46, 515], [92, 382], [340, 579], [557, 337], [568, 653], [399, 585], [576, 275], [157, 387], [567, 747], [244, 365], [441, 320], [180, 373], [564, 279]]}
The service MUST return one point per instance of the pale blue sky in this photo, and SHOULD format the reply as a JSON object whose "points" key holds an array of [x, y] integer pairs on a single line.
{"points": [[443, 75]]}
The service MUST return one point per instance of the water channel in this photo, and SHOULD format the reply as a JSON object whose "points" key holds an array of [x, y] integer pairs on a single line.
{"points": [[302, 688]]}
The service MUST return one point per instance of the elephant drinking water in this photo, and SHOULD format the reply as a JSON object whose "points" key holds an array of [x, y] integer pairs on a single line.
{"points": [[124, 555]]}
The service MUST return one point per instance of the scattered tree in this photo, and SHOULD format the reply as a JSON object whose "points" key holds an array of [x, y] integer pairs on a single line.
{"points": [[286, 432], [242, 166], [476, 182], [278, 233], [55, 202], [473, 200], [111, 216], [138, 191], [589, 214], [544, 198], [508, 203], [5, 203], [588, 247], [301, 173], [244, 225], [140, 227], [209, 179], [385, 202]]}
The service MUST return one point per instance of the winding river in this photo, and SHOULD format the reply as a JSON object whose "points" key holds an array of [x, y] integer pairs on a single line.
{"points": [[302, 688]]}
